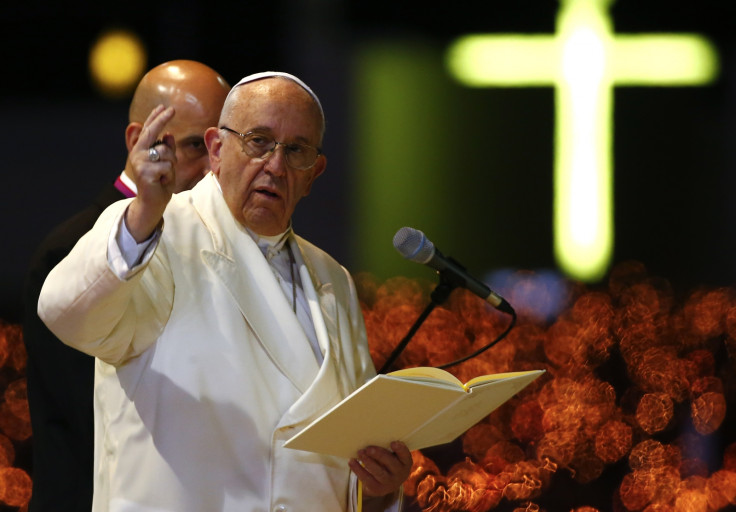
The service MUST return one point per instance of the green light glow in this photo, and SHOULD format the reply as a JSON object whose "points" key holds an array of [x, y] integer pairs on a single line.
{"points": [[401, 162], [503, 60], [583, 200], [664, 59], [584, 61]]}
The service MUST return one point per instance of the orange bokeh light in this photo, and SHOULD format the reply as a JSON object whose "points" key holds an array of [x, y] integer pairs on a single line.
{"points": [[637, 392], [636, 375]]}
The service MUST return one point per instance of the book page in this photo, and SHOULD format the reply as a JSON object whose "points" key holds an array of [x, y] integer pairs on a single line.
{"points": [[497, 376], [428, 373], [383, 410], [481, 400]]}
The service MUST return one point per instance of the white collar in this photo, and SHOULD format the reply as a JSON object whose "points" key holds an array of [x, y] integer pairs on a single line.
{"points": [[270, 245], [128, 182]]}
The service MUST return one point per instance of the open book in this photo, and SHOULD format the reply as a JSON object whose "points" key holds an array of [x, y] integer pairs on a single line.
{"points": [[421, 406]]}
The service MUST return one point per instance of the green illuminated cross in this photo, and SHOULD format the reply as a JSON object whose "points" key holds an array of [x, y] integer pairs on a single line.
{"points": [[584, 61]]}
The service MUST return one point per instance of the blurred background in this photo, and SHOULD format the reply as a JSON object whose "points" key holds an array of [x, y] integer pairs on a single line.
{"points": [[472, 166], [408, 144]]}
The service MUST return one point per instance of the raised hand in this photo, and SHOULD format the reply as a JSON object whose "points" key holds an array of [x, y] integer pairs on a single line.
{"points": [[153, 172]]}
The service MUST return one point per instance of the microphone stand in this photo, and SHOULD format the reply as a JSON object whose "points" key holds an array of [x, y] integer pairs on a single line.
{"points": [[448, 282], [438, 296]]}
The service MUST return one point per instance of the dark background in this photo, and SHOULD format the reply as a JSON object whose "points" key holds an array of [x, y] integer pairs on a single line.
{"points": [[674, 151], [674, 156]]}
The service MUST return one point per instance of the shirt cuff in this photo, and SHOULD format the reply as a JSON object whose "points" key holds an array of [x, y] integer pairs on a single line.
{"points": [[125, 256]]}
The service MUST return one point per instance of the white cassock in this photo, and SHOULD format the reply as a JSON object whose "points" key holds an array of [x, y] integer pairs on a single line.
{"points": [[203, 370]]}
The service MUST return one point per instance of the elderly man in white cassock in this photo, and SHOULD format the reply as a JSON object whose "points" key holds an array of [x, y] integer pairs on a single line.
{"points": [[218, 332]]}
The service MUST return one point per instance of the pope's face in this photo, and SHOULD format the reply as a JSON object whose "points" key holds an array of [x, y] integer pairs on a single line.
{"points": [[262, 193]]}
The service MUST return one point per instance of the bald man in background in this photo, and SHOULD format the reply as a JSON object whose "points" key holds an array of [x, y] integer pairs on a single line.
{"points": [[61, 379]]}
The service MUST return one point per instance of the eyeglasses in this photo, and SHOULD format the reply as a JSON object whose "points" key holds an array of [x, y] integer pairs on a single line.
{"points": [[258, 145]]}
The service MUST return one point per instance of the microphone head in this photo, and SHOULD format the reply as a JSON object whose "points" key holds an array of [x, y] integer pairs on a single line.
{"points": [[413, 245]]}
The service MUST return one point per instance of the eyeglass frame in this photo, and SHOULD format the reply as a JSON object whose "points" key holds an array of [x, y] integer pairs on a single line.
{"points": [[273, 150]]}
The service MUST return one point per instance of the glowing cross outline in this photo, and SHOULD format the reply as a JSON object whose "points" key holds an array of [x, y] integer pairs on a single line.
{"points": [[584, 61]]}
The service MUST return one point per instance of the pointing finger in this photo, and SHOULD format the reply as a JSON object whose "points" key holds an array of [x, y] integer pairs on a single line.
{"points": [[154, 124]]}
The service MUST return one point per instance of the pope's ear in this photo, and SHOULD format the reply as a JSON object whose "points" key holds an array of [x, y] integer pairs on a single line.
{"points": [[214, 144], [319, 168], [132, 132]]}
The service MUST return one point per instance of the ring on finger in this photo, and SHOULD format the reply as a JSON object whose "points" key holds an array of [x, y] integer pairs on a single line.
{"points": [[153, 155]]}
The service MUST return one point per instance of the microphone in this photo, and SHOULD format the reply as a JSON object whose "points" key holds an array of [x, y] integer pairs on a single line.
{"points": [[413, 245]]}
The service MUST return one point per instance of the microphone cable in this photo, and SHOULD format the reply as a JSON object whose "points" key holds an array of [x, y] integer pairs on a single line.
{"points": [[486, 347]]}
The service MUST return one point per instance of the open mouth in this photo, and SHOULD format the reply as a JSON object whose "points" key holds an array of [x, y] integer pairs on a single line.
{"points": [[267, 193]]}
